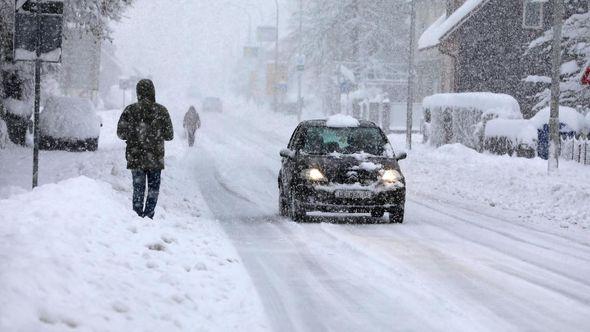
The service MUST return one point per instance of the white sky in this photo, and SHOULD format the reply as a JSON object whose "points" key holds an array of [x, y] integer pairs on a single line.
{"points": [[189, 45]]}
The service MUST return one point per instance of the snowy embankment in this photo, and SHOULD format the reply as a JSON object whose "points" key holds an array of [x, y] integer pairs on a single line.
{"points": [[73, 254], [505, 186]]}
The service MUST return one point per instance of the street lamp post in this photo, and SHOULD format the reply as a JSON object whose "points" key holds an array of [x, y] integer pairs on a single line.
{"points": [[276, 71], [554, 139], [410, 101], [300, 70]]}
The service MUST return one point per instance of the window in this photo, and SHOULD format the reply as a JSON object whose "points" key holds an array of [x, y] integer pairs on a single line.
{"points": [[533, 14], [325, 140]]}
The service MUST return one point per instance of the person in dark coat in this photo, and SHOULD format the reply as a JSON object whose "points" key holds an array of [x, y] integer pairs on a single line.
{"points": [[144, 126], [191, 123]]}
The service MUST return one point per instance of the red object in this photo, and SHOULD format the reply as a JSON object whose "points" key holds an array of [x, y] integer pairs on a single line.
{"points": [[586, 77]]}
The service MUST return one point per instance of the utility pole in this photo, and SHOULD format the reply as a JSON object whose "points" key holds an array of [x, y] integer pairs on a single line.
{"points": [[300, 64], [411, 73], [276, 71], [37, 99], [554, 139]]}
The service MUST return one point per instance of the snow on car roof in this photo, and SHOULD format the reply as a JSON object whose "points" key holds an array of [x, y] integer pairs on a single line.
{"points": [[342, 121]]}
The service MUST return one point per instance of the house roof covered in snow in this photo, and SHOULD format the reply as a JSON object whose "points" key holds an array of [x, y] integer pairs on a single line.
{"points": [[443, 27]]}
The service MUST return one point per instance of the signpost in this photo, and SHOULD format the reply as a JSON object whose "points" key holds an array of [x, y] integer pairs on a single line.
{"points": [[126, 84], [38, 37], [266, 34]]}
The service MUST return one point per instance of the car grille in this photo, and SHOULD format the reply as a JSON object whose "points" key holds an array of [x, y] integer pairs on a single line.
{"points": [[351, 176]]}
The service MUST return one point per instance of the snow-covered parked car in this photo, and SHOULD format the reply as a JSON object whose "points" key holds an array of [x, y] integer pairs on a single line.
{"points": [[513, 137], [341, 165], [461, 117], [70, 124]]}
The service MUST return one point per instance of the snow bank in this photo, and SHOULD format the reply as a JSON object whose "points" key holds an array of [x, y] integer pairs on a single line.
{"points": [[74, 255], [69, 118], [567, 115], [18, 107], [514, 189], [501, 104], [342, 121], [518, 131]]}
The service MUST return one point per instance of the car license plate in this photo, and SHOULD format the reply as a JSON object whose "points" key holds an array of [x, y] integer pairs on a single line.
{"points": [[353, 194]]}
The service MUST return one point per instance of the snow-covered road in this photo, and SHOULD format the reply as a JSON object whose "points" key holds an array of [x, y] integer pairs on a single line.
{"points": [[449, 267]]}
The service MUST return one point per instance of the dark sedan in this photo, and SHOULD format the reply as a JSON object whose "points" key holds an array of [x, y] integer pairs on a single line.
{"points": [[342, 169]]}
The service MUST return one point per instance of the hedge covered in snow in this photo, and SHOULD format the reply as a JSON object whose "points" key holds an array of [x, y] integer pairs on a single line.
{"points": [[461, 117]]}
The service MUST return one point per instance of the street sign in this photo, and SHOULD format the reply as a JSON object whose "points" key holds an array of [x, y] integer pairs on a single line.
{"points": [[274, 77], [126, 83], [586, 77], [265, 34], [250, 52], [37, 37], [38, 34]]}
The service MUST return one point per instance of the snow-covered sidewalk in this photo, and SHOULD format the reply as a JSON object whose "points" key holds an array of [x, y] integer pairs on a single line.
{"points": [[73, 254], [519, 189]]}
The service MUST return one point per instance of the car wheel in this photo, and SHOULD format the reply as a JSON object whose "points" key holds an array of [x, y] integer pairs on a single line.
{"points": [[283, 207], [396, 216], [377, 214], [297, 213]]}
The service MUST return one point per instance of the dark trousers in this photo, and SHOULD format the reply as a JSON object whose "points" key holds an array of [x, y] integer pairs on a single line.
{"points": [[153, 189], [191, 136]]}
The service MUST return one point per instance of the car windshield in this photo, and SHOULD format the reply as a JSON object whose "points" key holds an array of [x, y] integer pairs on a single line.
{"points": [[325, 140]]}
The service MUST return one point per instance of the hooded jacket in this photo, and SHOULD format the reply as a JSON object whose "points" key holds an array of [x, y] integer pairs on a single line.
{"points": [[145, 126], [191, 120]]}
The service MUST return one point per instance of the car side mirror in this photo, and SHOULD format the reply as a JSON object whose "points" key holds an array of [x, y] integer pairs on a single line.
{"points": [[286, 153], [401, 156]]}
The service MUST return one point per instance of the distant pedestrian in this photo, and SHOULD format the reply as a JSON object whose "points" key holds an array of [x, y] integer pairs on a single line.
{"points": [[191, 123], [145, 126]]}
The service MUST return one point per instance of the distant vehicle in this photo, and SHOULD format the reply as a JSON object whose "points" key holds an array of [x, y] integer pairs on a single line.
{"points": [[212, 105], [350, 168]]}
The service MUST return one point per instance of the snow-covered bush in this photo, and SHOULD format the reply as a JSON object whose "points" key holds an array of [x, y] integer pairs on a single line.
{"points": [[505, 136], [461, 117], [17, 117], [19, 108], [69, 123], [571, 119]]}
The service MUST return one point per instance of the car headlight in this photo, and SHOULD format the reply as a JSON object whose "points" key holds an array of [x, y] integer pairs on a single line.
{"points": [[314, 174], [391, 176]]}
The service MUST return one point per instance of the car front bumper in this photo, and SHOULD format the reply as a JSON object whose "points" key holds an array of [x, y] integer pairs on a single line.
{"points": [[313, 199]]}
